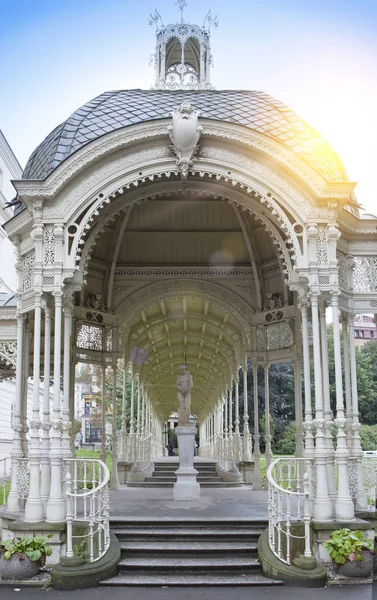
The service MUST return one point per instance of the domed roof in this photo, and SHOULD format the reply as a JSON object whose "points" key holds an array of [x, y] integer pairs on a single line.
{"points": [[252, 109]]}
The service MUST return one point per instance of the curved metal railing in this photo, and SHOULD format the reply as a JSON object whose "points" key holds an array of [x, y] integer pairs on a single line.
{"points": [[87, 494], [288, 508]]}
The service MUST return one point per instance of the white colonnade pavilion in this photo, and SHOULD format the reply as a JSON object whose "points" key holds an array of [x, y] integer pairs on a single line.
{"points": [[187, 225], [129, 261]]}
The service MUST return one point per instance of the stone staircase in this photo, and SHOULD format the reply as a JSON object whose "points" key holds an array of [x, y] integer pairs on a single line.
{"points": [[164, 476], [178, 552]]}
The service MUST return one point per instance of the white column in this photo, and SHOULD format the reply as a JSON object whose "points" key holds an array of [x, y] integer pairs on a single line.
{"points": [[67, 359], [344, 510], [347, 382], [246, 430], [230, 407], [16, 452], [308, 423], [114, 481], [268, 452], [138, 409], [237, 405], [328, 415], [257, 484], [226, 413], [361, 497], [46, 425], [55, 509], [132, 456], [25, 386], [298, 408], [34, 508], [322, 504], [103, 453], [123, 431]]}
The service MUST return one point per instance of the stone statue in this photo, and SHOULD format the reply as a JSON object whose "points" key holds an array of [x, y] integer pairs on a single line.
{"points": [[184, 385]]}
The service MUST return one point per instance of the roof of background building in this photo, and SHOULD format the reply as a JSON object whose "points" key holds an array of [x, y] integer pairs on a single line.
{"points": [[252, 109], [7, 299]]}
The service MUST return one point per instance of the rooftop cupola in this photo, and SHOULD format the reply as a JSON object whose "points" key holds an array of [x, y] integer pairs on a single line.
{"points": [[183, 52]]}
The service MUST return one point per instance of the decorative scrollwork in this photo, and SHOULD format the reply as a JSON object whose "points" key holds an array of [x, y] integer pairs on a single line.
{"points": [[28, 271], [49, 247], [365, 274], [322, 246], [279, 335]]}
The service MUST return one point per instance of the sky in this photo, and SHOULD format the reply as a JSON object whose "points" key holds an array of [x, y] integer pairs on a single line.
{"points": [[317, 56]]}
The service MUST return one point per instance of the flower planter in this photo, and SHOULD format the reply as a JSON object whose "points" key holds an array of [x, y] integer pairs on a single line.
{"points": [[18, 567], [362, 568]]}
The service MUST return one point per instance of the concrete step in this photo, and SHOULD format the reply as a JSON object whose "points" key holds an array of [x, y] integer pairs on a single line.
{"points": [[188, 546], [190, 537], [166, 484], [169, 526], [184, 564], [220, 579], [173, 478]]}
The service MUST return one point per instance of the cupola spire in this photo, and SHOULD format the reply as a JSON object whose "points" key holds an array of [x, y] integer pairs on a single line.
{"points": [[183, 52]]}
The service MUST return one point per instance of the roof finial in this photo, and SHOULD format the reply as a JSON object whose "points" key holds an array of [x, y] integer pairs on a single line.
{"points": [[209, 20], [157, 20], [181, 5]]}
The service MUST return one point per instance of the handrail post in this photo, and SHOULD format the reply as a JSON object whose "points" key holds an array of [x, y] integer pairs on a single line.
{"points": [[306, 516], [69, 517]]}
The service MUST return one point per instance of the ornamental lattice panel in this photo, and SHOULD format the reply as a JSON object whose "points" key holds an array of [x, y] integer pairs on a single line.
{"points": [[365, 274]]}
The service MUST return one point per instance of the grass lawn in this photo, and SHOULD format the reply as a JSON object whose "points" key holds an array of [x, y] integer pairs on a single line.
{"points": [[94, 454], [7, 488]]}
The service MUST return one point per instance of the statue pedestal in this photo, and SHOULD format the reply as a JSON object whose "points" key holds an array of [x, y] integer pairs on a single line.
{"points": [[186, 488]]}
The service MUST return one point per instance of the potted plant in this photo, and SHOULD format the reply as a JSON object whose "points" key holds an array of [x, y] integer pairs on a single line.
{"points": [[22, 557], [351, 551]]}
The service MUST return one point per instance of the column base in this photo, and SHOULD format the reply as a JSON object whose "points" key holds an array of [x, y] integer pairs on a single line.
{"points": [[322, 510], [34, 511], [55, 511], [186, 487]]}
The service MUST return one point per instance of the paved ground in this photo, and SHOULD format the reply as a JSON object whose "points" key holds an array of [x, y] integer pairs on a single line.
{"points": [[214, 503], [351, 592]]}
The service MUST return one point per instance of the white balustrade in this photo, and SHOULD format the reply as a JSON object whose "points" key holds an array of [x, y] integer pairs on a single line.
{"points": [[369, 471], [288, 504], [87, 497], [5, 476]]}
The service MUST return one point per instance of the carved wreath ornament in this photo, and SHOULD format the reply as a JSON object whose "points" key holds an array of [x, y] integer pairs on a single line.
{"points": [[184, 133]]}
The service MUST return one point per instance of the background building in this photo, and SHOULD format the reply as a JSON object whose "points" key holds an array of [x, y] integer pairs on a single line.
{"points": [[365, 329]]}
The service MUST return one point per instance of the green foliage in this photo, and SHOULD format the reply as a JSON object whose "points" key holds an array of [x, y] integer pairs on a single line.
{"points": [[368, 435], [34, 547], [80, 550], [345, 544], [287, 443]]}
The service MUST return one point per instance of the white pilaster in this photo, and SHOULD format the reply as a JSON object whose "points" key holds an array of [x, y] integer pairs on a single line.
{"points": [[268, 451], [114, 481], [67, 359], [246, 429], [46, 425], [322, 503], [55, 509], [103, 452], [328, 415], [257, 484], [361, 498], [34, 508], [308, 423], [347, 382], [344, 510], [13, 504], [123, 431]]}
